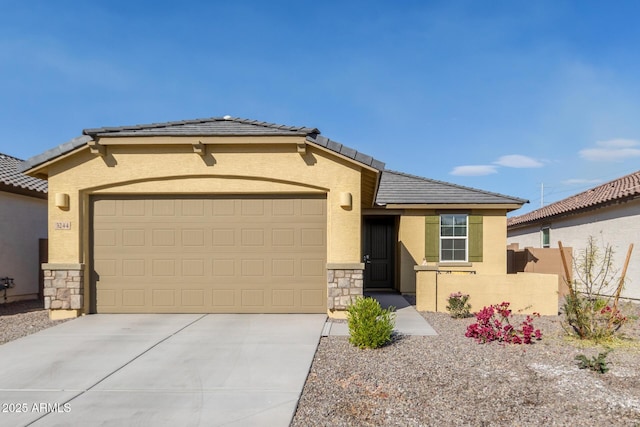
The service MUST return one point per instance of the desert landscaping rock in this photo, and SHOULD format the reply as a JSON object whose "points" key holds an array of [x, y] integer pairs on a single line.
{"points": [[19, 319], [451, 380], [446, 379]]}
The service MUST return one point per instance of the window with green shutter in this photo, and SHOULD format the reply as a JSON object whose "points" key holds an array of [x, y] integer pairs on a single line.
{"points": [[453, 238], [432, 238], [475, 238]]}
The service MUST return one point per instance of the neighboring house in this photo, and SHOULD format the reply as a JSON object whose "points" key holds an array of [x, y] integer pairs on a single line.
{"points": [[228, 215], [609, 212], [23, 226]]}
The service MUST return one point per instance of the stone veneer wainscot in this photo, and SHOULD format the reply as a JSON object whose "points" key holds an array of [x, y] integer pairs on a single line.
{"points": [[345, 282], [64, 287]]}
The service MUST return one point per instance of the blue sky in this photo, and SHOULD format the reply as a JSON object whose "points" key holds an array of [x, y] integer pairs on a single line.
{"points": [[505, 96]]}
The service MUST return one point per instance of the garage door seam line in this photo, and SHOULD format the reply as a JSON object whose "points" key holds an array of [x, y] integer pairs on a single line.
{"points": [[123, 366]]}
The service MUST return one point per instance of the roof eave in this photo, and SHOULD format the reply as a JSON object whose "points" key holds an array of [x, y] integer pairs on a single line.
{"points": [[41, 170], [548, 218], [501, 206], [23, 191]]}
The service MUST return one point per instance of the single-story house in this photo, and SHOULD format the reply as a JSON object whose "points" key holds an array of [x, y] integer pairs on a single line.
{"points": [[23, 227], [228, 215], [609, 212]]}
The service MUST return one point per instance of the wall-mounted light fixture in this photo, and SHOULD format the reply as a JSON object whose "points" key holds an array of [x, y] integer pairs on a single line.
{"points": [[62, 200], [345, 200]]}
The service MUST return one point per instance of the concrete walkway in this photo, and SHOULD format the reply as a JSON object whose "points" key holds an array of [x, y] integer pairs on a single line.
{"points": [[160, 370], [408, 320]]}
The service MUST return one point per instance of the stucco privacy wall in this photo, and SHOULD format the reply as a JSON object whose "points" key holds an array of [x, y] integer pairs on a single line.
{"points": [[239, 165], [526, 292], [411, 236], [617, 225], [23, 221]]}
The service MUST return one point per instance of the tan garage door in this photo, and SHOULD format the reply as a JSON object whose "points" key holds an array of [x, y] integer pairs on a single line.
{"points": [[209, 255]]}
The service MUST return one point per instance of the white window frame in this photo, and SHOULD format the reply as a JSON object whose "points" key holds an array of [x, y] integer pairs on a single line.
{"points": [[548, 230], [465, 238]]}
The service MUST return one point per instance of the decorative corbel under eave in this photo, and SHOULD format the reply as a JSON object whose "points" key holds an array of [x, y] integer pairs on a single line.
{"points": [[199, 148], [302, 148], [96, 148]]}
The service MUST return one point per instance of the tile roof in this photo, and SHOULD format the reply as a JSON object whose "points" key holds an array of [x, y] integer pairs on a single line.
{"points": [[214, 126], [400, 188], [227, 126], [54, 152], [11, 176], [346, 151], [614, 191]]}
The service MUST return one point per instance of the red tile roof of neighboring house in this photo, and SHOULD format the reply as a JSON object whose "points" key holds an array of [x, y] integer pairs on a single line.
{"points": [[614, 191], [11, 177]]}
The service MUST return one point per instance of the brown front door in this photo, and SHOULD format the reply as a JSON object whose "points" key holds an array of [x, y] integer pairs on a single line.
{"points": [[379, 252]]}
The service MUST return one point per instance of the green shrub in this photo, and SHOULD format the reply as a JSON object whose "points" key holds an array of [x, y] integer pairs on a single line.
{"points": [[597, 363], [370, 326], [458, 305]]}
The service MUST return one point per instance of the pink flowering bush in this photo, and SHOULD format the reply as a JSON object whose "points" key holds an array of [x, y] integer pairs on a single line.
{"points": [[493, 325]]}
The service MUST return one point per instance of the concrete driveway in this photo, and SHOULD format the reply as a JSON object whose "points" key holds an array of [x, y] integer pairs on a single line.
{"points": [[160, 370]]}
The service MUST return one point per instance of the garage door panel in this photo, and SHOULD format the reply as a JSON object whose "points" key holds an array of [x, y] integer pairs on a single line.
{"points": [[312, 297], [163, 208], [193, 237], [193, 297], [132, 207], [134, 297], [163, 298], [226, 298], [200, 255], [223, 208]]}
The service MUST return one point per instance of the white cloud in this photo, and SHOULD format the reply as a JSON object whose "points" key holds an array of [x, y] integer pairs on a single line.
{"points": [[613, 150], [518, 161], [580, 181], [474, 170]]}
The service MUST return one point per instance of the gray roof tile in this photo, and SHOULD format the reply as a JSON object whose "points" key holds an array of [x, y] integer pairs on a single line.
{"points": [[215, 126], [346, 151], [11, 175], [401, 188], [349, 152], [334, 146], [54, 152], [363, 158], [227, 126]]}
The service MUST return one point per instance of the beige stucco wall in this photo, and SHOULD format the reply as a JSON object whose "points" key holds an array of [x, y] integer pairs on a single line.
{"points": [[243, 166], [526, 292], [411, 237], [617, 225], [23, 221], [494, 242], [411, 241]]}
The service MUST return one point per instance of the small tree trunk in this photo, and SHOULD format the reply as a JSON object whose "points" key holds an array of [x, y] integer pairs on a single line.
{"points": [[614, 311]]}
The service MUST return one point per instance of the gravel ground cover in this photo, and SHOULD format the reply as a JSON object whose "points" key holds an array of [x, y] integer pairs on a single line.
{"points": [[447, 379], [18, 319], [451, 380]]}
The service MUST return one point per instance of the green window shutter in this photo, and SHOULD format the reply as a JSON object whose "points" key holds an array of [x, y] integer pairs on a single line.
{"points": [[432, 238], [475, 238]]}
